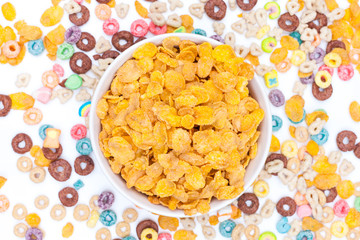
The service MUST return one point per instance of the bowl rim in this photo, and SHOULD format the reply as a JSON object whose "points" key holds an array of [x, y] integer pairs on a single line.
{"points": [[105, 168]]}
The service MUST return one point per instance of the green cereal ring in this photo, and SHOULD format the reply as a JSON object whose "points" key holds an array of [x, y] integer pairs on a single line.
{"points": [[180, 30], [357, 204], [273, 8], [73, 82], [65, 51], [268, 44], [267, 236]]}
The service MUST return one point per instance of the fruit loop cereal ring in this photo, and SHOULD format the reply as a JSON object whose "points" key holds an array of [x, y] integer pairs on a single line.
{"points": [[42, 130], [103, 234], [354, 55], [226, 228], [268, 44], [83, 146], [103, 12], [221, 7], [291, 206], [341, 208], [276, 123], [339, 229], [68, 196], [261, 188], [164, 236], [78, 131], [199, 31], [288, 22], [308, 80], [289, 148], [317, 55], [37, 174], [36, 47], [300, 199], [246, 5], [111, 26], [65, 51], [72, 34], [357, 204], [157, 30], [244, 207], [84, 170], [34, 233], [274, 9], [130, 215], [335, 44], [123, 229], [32, 116], [326, 68], [149, 234], [10, 49], [283, 225], [60, 170], [304, 234], [106, 199], [21, 137], [317, 40], [85, 63], [24, 164], [298, 57], [86, 42], [6, 102], [20, 230], [122, 35], [19, 211], [283, 66], [351, 139], [139, 28], [41, 202], [50, 79], [81, 212], [80, 18], [321, 138], [345, 72], [267, 236], [4, 203], [276, 97], [323, 79], [297, 36], [146, 224], [252, 232], [304, 211], [323, 94], [332, 60]]}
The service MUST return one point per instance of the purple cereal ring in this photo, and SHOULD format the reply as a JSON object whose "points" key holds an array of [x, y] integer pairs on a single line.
{"points": [[218, 38], [308, 80], [33, 234], [317, 55], [276, 97], [324, 67], [73, 34], [139, 28], [345, 72], [106, 199]]}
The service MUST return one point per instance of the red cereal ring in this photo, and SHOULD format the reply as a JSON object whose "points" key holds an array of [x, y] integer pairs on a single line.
{"points": [[86, 42], [341, 208], [286, 18], [139, 28], [286, 201], [65, 199], [246, 5], [21, 137], [85, 63], [319, 22], [351, 139], [248, 203], [81, 17], [78, 131], [60, 170], [276, 156], [102, 11], [157, 30], [52, 155], [58, 69], [345, 72], [7, 103], [122, 35], [84, 160], [50, 79], [111, 26], [320, 93], [210, 9], [324, 67]]}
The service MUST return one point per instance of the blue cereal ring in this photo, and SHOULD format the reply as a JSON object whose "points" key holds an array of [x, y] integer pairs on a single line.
{"points": [[267, 236], [199, 31], [321, 138], [129, 238], [80, 146], [304, 235], [108, 218], [283, 226], [276, 123], [300, 120], [297, 36], [42, 130], [78, 184], [36, 47], [226, 228]]}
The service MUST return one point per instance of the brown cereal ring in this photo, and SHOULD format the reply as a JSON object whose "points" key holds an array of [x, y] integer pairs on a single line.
{"points": [[130, 215], [246, 6], [107, 54], [285, 18], [65, 200], [330, 194], [351, 136], [278, 156], [24, 164], [321, 19], [244, 199], [146, 224], [286, 201], [21, 137], [86, 42], [37, 174], [84, 159], [60, 170], [79, 21], [122, 35], [85, 63], [6, 102], [321, 94], [139, 39], [103, 1], [210, 9], [62, 83], [335, 44], [41, 202], [357, 150], [50, 154]]}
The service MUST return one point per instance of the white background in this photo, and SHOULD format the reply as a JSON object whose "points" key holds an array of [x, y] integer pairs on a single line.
{"points": [[19, 188]]}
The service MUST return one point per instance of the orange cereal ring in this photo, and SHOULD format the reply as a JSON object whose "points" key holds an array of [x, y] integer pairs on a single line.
{"points": [[32, 116], [300, 199], [50, 79], [103, 11], [283, 66], [317, 40], [11, 49], [4, 203], [354, 55]]}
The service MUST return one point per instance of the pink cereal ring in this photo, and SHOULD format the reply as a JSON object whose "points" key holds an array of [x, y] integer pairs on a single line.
{"points": [[78, 1], [345, 72], [156, 29], [4, 203], [329, 69], [304, 211], [58, 69], [139, 28], [11, 49], [78, 131], [43, 95], [32, 116], [102, 11], [111, 26], [50, 79], [341, 208], [164, 236], [317, 40]]}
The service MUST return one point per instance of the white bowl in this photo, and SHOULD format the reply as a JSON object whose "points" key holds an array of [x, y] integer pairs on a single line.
{"points": [[139, 199]]}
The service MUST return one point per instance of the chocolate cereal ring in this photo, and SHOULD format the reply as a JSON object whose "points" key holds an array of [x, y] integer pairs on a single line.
{"points": [[122, 35], [146, 224], [345, 147], [335, 44], [84, 159], [252, 207], [86, 42], [357, 150], [107, 54], [246, 5], [285, 18], [320, 93], [68, 201], [103, 1], [85, 63], [60, 170], [21, 137], [286, 201], [6, 102], [50, 154], [321, 19], [84, 16], [210, 9], [139, 39], [330, 194], [277, 156]]}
